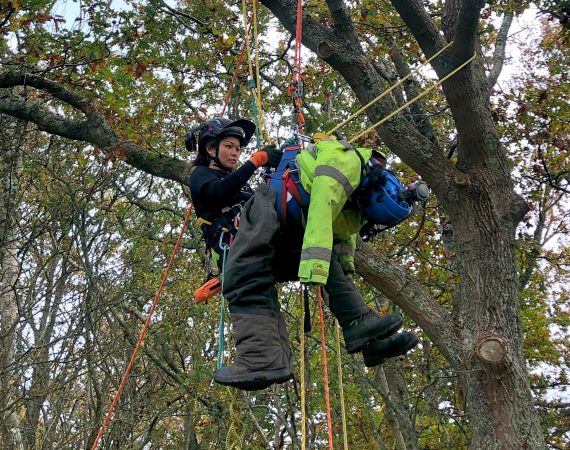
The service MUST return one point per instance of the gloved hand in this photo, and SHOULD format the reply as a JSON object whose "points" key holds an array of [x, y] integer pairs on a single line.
{"points": [[268, 156]]}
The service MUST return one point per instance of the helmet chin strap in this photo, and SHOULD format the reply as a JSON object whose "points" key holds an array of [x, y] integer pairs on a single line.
{"points": [[217, 161]]}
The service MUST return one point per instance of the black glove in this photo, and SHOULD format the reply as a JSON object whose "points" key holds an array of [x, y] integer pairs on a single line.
{"points": [[274, 155]]}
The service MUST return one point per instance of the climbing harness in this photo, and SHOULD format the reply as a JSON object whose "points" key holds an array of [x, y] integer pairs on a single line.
{"points": [[292, 198]]}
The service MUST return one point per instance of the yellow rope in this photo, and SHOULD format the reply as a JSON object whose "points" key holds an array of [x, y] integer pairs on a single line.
{"points": [[341, 385], [255, 90], [257, 77], [234, 438], [390, 89], [302, 344], [415, 99]]}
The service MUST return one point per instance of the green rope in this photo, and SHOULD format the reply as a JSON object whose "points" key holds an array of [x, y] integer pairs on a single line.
{"points": [[221, 326]]}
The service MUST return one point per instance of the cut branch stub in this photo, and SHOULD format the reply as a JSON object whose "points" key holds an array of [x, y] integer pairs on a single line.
{"points": [[492, 350], [324, 49]]}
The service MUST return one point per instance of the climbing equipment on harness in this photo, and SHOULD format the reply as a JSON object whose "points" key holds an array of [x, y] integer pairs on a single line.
{"points": [[224, 226], [208, 290]]}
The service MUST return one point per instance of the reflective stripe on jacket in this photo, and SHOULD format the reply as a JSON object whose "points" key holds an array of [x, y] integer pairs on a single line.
{"points": [[330, 173]]}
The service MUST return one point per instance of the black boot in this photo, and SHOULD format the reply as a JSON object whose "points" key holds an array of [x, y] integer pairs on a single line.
{"points": [[379, 350], [284, 337], [261, 358], [367, 327]]}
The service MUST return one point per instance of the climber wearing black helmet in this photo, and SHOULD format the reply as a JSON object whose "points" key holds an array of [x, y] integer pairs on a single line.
{"points": [[217, 188]]}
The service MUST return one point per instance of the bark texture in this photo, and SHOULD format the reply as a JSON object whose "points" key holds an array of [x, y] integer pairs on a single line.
{"points": [[481, 338]]}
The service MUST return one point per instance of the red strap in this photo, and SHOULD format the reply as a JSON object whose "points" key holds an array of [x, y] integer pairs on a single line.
{"points": [[284, 200]]}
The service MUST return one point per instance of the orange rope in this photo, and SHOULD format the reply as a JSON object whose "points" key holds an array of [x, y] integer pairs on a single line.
{"points": [[325, 367], [238, 66], [143, 331], [165, 276]]}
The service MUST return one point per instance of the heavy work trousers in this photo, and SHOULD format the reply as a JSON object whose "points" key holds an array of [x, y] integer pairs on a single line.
{"points": [[262, 254]]}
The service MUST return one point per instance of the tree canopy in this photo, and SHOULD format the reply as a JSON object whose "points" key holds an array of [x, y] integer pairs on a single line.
{"points": [[95, 100]]}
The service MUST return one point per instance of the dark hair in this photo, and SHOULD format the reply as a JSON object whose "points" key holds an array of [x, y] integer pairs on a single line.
{"points": [[203, 159]]}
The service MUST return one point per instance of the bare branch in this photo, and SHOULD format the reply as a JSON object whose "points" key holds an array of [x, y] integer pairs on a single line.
{"points": [[499, 53], [421, 25]]}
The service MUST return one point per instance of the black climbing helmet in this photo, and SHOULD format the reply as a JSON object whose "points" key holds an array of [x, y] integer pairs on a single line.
{"points": [[197, 137]]}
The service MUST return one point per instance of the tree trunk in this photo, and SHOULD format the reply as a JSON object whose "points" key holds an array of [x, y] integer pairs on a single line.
{"points": [[478, 195], [11, 168]]}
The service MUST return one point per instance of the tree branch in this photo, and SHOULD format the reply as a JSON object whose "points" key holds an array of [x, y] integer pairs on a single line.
{"points": [[499, 53], [421, 25], [13, 78], [94, 130], [393, 281], [465, 33], [342, 20]]}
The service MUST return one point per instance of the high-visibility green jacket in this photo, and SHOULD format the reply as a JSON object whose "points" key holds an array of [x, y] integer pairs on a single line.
{"points": [[330, 173]]}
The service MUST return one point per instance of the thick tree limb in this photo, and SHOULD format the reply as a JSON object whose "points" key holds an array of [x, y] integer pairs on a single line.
{"points": [[94, 129], [13, 78], [347, 58], [465, 33], [422, 27], [405, 291], [342, 20], [499, 53]]}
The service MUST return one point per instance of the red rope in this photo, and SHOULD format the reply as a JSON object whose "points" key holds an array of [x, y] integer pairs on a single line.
{"points": [[143, 331], [325, 367], [298, 38], [296, 88], [165, 276]]}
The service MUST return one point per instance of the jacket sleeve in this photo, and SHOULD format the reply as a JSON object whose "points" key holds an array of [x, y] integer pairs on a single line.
{"points": [[335, 178], [212, 187]]}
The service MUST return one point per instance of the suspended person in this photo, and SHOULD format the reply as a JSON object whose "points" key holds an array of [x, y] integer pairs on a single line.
{"points": [[339, 186], [218, 188]]}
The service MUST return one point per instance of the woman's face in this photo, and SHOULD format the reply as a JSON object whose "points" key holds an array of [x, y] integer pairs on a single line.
{"points": [[228, 153]]}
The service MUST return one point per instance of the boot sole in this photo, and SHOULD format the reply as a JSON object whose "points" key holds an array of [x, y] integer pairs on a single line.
{"points": [[356, 345], [255, 382], [376, 361]]}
